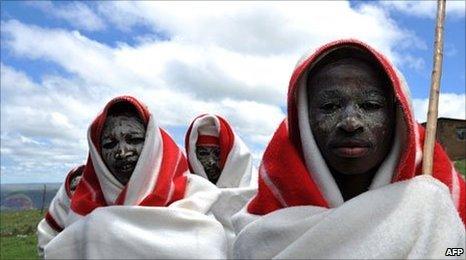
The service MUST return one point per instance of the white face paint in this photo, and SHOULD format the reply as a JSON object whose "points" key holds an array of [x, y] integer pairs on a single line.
{"points": [[209, 156], [122, 140], [74, 183]]}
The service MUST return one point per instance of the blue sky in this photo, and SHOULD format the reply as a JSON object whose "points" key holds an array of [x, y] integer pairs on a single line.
{"points": [[62, 61], [453, 79]]}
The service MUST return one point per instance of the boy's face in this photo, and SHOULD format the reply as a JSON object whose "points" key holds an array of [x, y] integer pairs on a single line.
{"points": [[122, 140], [352, 115], [209, 156], [74, 183]]}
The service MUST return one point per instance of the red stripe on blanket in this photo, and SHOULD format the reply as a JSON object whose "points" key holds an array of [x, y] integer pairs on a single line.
{"points": [[52, 223], [284, 167], [227, 138], [207, 140], [88, 194], [172, 168]]}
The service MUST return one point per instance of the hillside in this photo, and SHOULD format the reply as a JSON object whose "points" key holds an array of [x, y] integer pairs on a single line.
{"points": [[15, 197]]}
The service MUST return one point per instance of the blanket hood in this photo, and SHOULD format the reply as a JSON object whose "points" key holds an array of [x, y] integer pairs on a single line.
{"points": [[158, 179], [235, 158]]}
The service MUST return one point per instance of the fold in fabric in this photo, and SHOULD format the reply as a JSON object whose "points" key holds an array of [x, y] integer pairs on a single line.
{"points": [[408, 219], [183, 230]]}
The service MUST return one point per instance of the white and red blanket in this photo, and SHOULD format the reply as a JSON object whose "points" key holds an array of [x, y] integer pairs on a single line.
{"points": [[299, 211]]}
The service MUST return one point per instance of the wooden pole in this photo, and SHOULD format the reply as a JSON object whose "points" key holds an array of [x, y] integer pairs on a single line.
{"points": [[44, 192], [431, 125]]}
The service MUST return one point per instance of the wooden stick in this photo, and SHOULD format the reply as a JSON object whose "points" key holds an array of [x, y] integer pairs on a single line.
{"points": [[431, 126]]}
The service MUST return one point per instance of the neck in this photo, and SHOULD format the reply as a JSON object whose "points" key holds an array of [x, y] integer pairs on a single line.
{"points": [[352, 185]]}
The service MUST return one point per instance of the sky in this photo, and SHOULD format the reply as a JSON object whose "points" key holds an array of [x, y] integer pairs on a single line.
{"points": [[61, 62]]}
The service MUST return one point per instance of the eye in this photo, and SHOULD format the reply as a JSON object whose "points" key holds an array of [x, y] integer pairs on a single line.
{"points": [[203, 153], [370, 106], [135, 140], [329, 107], [109, 144]]}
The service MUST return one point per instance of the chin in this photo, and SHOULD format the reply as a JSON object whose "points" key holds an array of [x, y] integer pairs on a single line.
{"points": [[348, 166], [352, 173], [125, 175], [352, 168]]}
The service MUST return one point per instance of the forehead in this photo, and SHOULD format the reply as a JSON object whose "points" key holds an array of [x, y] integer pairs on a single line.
{"points": [[123, 122], [207, 148], [348, 75], [343, 70]]}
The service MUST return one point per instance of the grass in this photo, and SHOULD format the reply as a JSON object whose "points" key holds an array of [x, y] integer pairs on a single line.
{"points": [[19, 247], [18, 238], [19, 222], [460, 165]]}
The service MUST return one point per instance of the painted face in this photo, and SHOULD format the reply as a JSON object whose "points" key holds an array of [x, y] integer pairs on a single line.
{"points": [[351, 114], [122, 141], [74, 183], [209, 156]]}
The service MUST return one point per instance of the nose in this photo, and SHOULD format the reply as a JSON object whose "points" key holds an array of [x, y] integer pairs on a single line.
{"points": [[212, 161], [123, 151], [351, 122]]}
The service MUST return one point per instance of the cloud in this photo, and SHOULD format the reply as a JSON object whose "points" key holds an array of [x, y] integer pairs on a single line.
{"points": [[234, 59], [39, 142], [426, 9], [76, 53], [450, 105], [77, 14], [450, 49], [261, 28], [416, 63]]}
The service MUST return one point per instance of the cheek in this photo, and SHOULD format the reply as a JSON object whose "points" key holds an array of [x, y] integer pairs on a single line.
{"points": [[215, 158], [201, 158], [323, 124], [204, 160], [378, 125], [108, 155]]}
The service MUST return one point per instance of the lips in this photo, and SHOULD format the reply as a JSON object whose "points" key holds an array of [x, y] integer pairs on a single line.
{"points": [[351, 152], [351, 149]]}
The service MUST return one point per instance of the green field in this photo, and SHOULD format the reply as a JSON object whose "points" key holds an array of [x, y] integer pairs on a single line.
{"points": [[18, 234], [461, 167]]}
